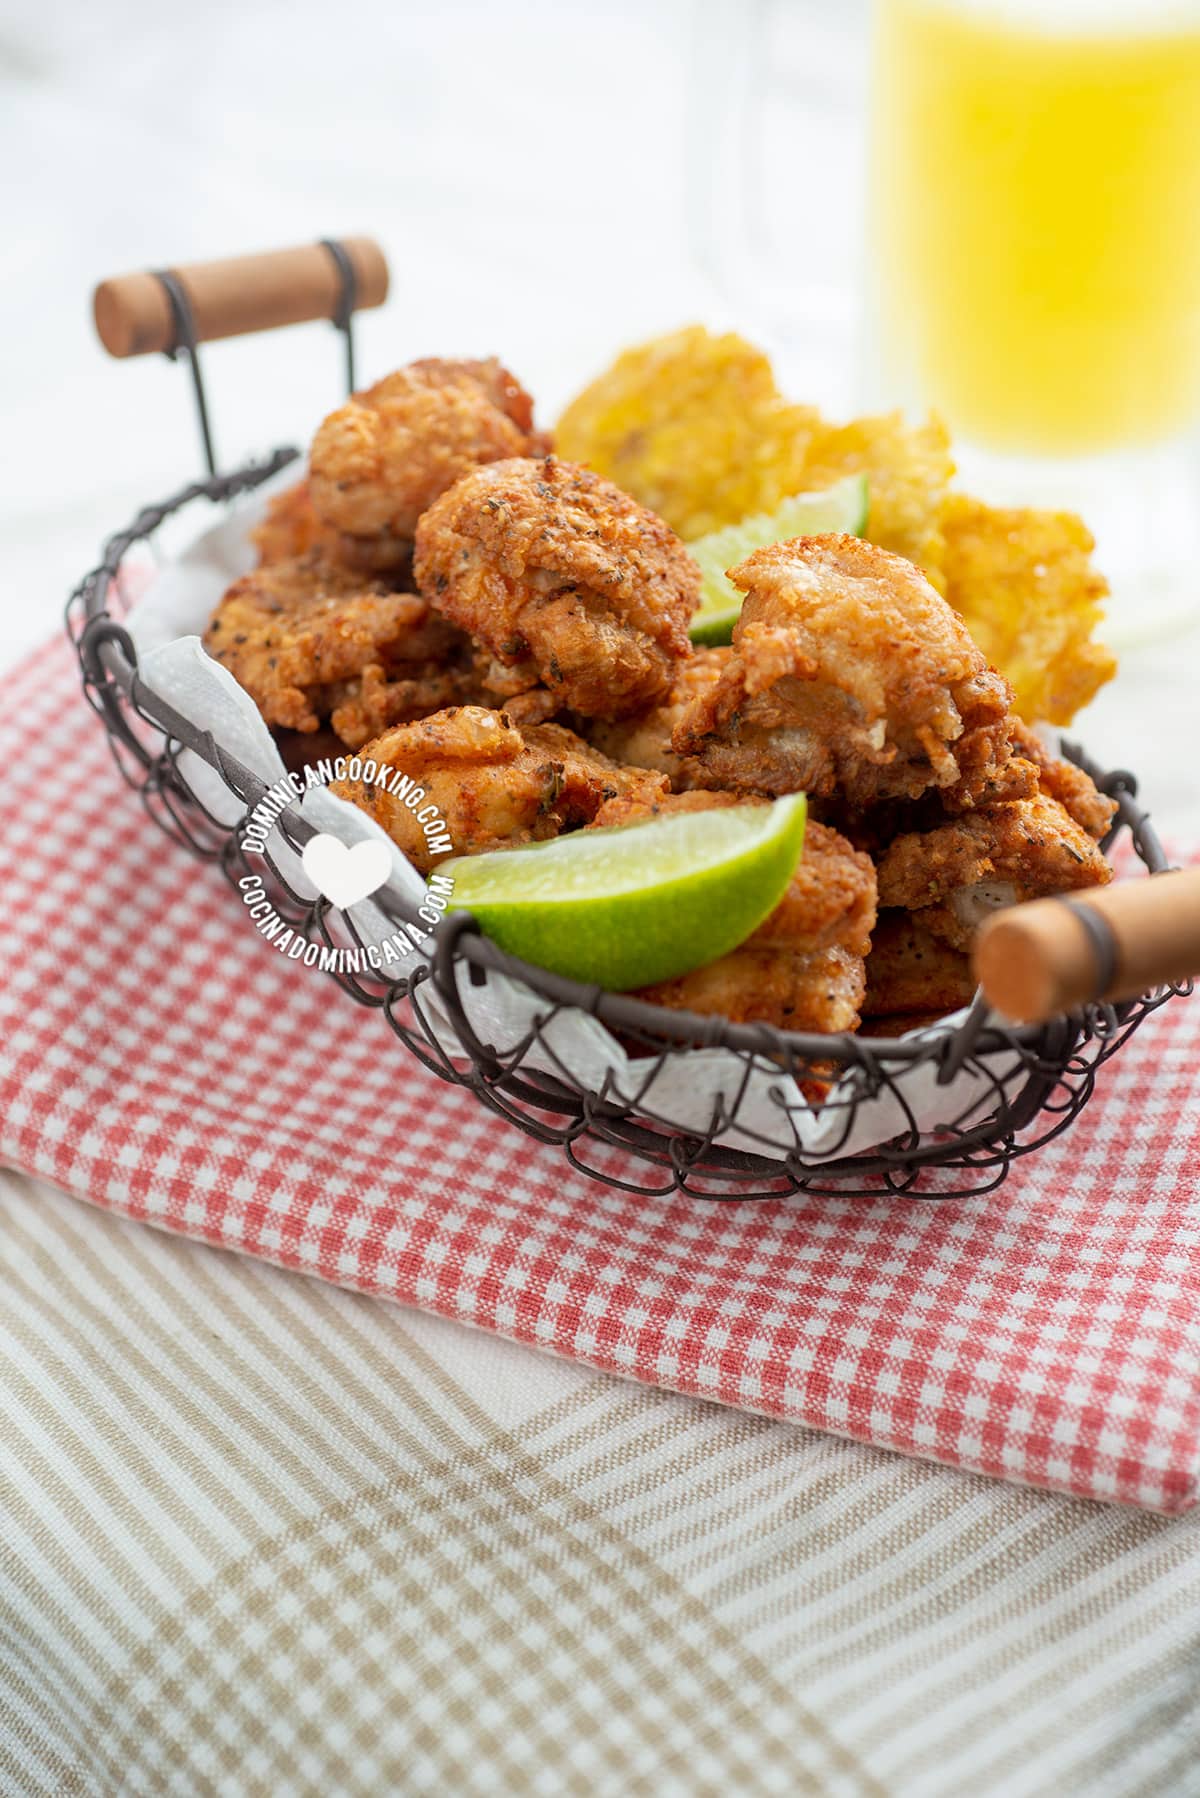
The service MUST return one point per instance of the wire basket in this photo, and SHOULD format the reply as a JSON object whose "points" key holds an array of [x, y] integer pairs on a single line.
{"points": [[1041, 1076]]}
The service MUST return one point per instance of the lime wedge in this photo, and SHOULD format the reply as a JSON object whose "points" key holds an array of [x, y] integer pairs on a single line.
{"points": [[637, 902], [842, 507]]}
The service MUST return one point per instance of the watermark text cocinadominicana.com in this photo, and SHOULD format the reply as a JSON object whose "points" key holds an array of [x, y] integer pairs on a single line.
{"points": [[295, 944]]}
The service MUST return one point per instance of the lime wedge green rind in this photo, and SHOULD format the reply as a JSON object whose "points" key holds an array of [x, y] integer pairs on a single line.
{"points": [[842, 507], [637, 903]]}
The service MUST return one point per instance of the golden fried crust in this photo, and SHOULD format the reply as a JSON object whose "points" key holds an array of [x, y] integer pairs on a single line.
{"points": [[363, 708], [819, 990], [850, 674], [628, 808], [1076, 791], [645, 738], [564, 579], [289, 527], [831, 899], [999, 855], [802, 969], [910, 971], [293, 628], [1030, 770], [386, 455], [986, 777], [590, 779], [494, 785]]}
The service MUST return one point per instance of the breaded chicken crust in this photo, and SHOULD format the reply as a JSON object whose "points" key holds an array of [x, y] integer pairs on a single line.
{"points": [[913, 974], [564, 580], [954, 875], [1030, 770], [495, 785], [289, 527], [803, 968], [290, 630], [1074, 789], [813, 990], [850, 674], [373, 701], [645, 738], [381, 459]]}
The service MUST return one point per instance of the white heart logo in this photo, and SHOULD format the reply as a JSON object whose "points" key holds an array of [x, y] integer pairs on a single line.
{"points": [[344, 874]]}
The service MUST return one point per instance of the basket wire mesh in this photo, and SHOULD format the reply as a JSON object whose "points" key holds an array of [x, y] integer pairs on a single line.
{"points": [[1040, 1076]]}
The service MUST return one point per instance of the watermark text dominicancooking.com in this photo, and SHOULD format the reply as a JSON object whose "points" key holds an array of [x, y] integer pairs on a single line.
{"points": [[345, 873]]}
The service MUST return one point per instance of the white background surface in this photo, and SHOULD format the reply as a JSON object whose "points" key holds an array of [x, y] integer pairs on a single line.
{"points": [[526, 167]]}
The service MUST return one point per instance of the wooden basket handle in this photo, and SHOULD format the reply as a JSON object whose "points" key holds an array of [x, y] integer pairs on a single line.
{"points": [[1034, 961], [134, 316]]}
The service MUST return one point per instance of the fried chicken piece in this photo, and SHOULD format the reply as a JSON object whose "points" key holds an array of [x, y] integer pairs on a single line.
{"points": [[1031, 769], [289, 527], [954, 875], [565, 581], [803, 968], [987, 776], [290, 630], [363, 708], [494, 785], [817, 990], [1075, 790], [645, 739], [381, 459], [850, 675], [911, 972]]}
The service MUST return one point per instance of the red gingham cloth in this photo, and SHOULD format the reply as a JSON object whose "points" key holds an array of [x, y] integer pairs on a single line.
{"points": [[157, 1057]]}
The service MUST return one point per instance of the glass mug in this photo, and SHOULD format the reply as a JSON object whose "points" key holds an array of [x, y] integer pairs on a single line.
{"points": [[1029, 248]]}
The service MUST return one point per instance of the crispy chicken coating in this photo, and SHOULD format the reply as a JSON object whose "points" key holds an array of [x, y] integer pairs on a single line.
{"points": [[381, 459], [289, 527], [819, 990], [850, 674], [954, 875], [565, 581], [1076, 791], [1031, 769], [803, 968], [645, 739], [912, 974], [494, 785], [364, 707], [294, 629]]}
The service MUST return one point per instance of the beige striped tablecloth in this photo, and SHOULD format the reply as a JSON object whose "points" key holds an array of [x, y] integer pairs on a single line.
{"points": [[260, 1535]]}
